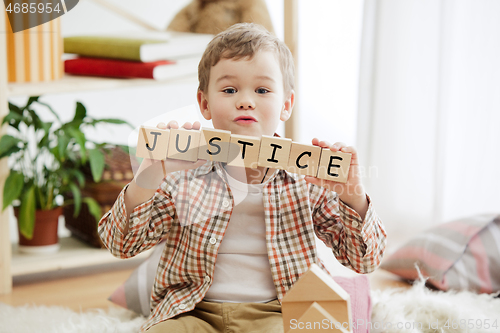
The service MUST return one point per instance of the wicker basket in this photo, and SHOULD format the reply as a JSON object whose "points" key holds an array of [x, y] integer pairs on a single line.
{"points": [[118, 172]]}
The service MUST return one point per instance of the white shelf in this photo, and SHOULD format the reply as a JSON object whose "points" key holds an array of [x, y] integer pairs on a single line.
{"points": [[72, 254], [72, 83]]}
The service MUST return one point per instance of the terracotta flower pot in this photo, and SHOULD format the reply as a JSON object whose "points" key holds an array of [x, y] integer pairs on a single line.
{"points": [[45, 239]]}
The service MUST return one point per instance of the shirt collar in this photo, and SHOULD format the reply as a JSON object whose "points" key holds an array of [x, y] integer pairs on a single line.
{"points": [[211, 166]]}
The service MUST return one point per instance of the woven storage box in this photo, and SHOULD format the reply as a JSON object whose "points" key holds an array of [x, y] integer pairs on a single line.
{"points": [[118, 173]]}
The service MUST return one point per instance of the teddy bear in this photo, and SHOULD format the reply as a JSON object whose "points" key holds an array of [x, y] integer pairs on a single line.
{"points": [[214, 16]]}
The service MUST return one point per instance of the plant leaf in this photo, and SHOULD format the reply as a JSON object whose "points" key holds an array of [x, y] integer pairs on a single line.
{"points": [[80, 139], [62, 145], [13, 119], [13, 188], [96, 159], [80, 112], [79, 176], [31, 100], [36, 122], [94, 208], [112, 121], [27, 213], [15, 108], [8, 145], [50, 109], [77, 197]]}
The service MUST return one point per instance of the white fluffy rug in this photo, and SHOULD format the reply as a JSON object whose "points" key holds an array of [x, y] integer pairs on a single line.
{"points": [[55, 319], [413, 310], [420, 310]]}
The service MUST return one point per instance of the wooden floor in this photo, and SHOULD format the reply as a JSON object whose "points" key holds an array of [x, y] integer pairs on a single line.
{"points": [[90, 288], [77, 290]]}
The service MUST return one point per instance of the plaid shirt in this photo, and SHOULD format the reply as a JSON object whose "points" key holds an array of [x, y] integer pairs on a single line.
{"points": [[191, 210]]}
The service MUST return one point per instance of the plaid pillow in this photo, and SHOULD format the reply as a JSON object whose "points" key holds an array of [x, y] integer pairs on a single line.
{"points": [[462, 255]]}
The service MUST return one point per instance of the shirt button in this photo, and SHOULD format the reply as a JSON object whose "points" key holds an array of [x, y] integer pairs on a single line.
{"points": [[136, 220], [225, 204], [355, 224], [182, 306], [207, 279], [213, 240]]}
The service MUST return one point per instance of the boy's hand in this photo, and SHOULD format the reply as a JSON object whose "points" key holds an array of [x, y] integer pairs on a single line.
{"points": [[352, 192], [151, 172]]}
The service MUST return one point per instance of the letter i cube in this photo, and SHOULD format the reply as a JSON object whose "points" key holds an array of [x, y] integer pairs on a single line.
{"points": [[152, 143], [274, 152]]}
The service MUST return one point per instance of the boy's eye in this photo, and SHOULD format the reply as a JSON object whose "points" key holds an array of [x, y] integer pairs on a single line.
{"points": [[261, 91], [229, 90]]}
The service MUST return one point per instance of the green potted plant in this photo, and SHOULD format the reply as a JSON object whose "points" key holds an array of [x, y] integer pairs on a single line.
{"points": [[45, 162]]}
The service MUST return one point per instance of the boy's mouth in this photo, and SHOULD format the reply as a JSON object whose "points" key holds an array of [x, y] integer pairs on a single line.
{"points": [[245, 119]]}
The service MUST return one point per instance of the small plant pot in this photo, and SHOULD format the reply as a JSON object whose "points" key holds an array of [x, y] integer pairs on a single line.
{"points": [[45, 238]]}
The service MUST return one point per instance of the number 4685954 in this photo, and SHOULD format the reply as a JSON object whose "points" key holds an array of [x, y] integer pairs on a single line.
{"points": [[32, 8]]}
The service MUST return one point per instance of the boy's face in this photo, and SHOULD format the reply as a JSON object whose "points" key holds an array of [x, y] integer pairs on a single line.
{"points": [[246, 96]]}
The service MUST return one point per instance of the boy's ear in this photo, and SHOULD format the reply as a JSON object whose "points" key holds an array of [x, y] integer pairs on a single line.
{"points": [[286, 111], [203, 104]]}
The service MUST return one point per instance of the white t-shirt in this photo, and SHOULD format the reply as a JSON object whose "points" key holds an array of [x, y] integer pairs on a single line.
{"points": [[242, 270]]}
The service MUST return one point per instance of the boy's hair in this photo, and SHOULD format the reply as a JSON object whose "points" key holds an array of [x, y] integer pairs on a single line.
{"points": [[244, 40]]}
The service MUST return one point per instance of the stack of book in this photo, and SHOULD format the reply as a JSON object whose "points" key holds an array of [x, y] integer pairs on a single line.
{"points": [[157, 56]]}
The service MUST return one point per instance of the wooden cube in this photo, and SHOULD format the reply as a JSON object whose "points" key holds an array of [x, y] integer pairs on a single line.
{"points": [[244, 151], [317, 319], [274, 152], [184, 144], [304, 159], [152, 143], [334, 165], [316, 295], [214, 145]]}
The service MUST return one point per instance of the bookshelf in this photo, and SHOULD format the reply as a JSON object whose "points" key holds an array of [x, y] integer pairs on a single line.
{"points": [[74, 254], [70, 83]]}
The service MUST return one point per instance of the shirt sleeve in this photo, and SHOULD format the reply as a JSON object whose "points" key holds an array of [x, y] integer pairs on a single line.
{"points": [[358, 244], [148, 224]]}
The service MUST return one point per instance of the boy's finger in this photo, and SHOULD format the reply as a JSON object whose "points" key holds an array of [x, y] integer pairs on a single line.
{"points": [[161, 125], [337, 146], [324, 144], [172, 124], [311, 179], [196, 125], [350, 150], [187, 125]]}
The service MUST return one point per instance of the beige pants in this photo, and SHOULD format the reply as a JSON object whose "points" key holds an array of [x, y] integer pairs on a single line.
{"points": [[211, 317]]}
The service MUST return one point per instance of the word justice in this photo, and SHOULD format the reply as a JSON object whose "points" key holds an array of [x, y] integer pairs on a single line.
{"points": [[242, 150]]}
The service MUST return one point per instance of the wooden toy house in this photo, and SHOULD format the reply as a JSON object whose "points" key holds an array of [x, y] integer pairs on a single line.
{"points": [[316, 303]]}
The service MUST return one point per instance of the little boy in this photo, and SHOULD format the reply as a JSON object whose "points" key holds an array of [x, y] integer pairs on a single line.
{"points": [[251, 231]]}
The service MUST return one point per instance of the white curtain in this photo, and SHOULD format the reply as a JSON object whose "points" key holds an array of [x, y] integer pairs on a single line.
{"points": [[429, 110]]}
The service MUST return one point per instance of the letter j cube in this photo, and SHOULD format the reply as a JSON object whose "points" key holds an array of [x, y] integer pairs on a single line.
{"points": [[152, 143]]}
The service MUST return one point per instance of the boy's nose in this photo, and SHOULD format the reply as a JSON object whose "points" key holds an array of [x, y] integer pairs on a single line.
{"points": [[245, 104]]}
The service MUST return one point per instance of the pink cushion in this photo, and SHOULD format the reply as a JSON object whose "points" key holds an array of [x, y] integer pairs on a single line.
{"points": [[358, 287], [461, 255]]}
